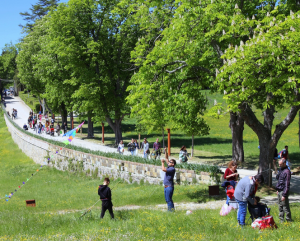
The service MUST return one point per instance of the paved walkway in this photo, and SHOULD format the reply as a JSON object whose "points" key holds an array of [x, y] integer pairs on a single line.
{"points": [[23, 113]]}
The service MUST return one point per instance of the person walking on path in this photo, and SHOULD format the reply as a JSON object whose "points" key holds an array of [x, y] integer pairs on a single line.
{"points": [[245, 192], [285, 154], [183, 155], [275, 160], [105, 195], [283, 188], [146, 148], [121, 147], [136, 147], [169, 180], [131, 147], [156, 149], [65, 127]]}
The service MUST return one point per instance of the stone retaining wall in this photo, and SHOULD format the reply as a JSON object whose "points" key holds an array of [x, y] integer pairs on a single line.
{"points": [[75, 161]]}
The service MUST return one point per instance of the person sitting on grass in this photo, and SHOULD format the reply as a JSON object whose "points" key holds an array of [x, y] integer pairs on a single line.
{"points": [[169, 180], [244, 193], [105, 195]]}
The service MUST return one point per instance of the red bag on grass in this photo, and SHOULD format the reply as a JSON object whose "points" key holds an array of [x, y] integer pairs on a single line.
{"points": [[264, 222]]}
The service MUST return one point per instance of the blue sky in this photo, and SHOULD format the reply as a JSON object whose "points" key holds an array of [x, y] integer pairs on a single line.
{"points": [[10, 19]]}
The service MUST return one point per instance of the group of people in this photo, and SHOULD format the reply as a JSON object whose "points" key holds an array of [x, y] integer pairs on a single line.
{"points": [[245, 190], [35, 123], [105, 192], [133, 147]]}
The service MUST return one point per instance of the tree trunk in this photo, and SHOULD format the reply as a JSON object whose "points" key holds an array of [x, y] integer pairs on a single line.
{"points": [[192, 153], [90, 126], [236, 125], [163, 137], [116, 127], [64, 114], [43, 106], [71, 120], [267, 141], [299, 129]]}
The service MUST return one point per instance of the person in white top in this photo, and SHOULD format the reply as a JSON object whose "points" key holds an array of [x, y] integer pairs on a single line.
{"points": [[146, 149], [121, 147]]}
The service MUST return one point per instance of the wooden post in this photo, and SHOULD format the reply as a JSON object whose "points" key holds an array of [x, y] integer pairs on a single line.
{"points": [[270, 175], [169, 142], [72, 122], [102, 132]]}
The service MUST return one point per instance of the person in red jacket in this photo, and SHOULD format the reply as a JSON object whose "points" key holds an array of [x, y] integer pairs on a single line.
{"points": [[105, 195], [231, 175]]}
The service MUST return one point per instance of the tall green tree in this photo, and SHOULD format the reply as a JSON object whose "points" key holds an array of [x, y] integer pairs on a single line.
{"points": [[95, 44], [8, 66], [188, 49], [263, 74], [37, 11]]}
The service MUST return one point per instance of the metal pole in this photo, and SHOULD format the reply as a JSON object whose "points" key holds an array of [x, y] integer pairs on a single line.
{"points": [[102, 132], [169, 142]]}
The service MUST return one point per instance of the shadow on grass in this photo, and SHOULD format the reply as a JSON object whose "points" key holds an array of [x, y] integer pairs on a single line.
{"points": [[201, 196]]}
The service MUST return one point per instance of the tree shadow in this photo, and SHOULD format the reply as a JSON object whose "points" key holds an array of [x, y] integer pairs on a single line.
{"points": [[201, 196]]}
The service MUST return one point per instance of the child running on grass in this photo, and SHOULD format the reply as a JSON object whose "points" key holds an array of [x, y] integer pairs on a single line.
{"points": [[105, 196]]}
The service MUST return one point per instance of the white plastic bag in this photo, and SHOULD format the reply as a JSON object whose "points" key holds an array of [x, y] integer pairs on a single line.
{"points": [[225, 210]]}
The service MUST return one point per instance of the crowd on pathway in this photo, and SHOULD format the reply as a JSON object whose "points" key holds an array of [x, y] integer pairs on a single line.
{"points": [[133, 148], [41, 124]]}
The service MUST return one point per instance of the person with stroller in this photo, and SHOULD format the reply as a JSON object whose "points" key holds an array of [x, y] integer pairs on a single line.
{"points": [[183, 155], [231, 175], [283, 188], [244, 193]]}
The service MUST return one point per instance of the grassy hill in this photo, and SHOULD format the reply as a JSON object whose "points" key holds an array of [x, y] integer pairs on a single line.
{"points": [[61, 198]]}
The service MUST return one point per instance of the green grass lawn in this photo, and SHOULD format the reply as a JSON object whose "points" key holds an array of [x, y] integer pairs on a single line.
{"points": [[61, 198]]}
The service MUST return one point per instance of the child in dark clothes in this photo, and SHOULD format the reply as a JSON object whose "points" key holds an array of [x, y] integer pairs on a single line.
{"points": [[105, 196]]}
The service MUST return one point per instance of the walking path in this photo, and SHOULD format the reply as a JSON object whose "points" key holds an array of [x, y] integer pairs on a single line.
{"points": [[23, 113]]}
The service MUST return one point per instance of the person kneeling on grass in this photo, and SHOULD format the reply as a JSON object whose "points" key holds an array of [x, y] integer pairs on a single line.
{"points": [[244, 192], [105, 196], [169, 180]]}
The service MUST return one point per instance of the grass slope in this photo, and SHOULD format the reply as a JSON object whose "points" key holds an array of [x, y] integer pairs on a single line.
{"points": [[61, 197]]}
